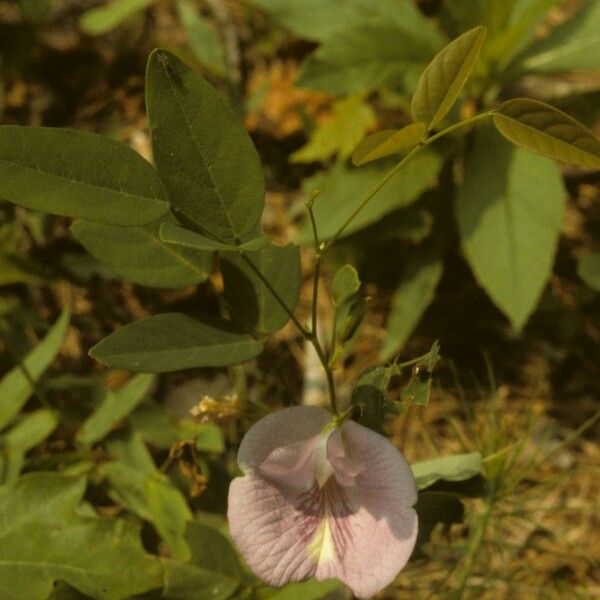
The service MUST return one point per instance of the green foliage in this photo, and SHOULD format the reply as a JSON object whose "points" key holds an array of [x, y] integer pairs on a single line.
{"points": [[411, 299], [17, 385], [185, 238], [510, 211], [442, 81], [203, 153], [111, 14], [366, 57], [139, 255], [85, 175], [352, 117], [343, 188], [33, 556], [319, 21], [202, 38], [588, 269], [388, 142], [247, 296], [573, 45], [457, 467], [418, 388], [345, 284], [174, 341], [114, 407], [547, 131]]}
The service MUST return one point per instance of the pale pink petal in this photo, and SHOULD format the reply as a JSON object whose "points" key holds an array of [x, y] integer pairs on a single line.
{"points": [[272, 529], [278, 429], [371, 529]]}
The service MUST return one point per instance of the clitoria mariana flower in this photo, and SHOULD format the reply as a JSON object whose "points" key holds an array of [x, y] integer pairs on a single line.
{"points": [[322, 499]]}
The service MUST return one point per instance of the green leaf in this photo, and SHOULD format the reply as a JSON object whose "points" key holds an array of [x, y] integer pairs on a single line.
{"points": [[345, 284], [170, 513], [184, 581], [114, 408], [204, 155], [418, 388], [510, 212], [186, 238], [13, 270], [129, 448], [250, 300], [31, 429], [174, 341], [78, 174], [351, 119], [444, 78], [207, 437], [313, 589], [388, 142], [411, 299], [202, 39], [364, 58], [344, 187], [457, 467], [15, 386], [44, 538], [154, 425], [137, 254], [573, 45], [370, 396], [588, 269], [106, 17], [318, 20], [548, 131], [211, 550]]}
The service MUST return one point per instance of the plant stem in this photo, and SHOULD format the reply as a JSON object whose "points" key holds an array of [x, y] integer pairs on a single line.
{"points": [[307, 334], [397, 168]]}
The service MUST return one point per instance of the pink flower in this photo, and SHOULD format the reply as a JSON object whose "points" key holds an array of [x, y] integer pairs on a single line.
{"points": [[321, 500]]}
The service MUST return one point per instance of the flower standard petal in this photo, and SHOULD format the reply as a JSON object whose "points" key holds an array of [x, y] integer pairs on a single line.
{"points": [[322, 500], [278, 429]]}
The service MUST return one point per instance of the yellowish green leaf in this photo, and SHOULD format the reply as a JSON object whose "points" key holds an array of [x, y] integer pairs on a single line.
{"points": [[385, 143], [352, 117], [443, 79], [548, 131]]}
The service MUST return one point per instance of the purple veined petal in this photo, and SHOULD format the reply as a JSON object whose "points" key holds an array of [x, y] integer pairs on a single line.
{"points": [[358, 526], [279, 429], [271, 529]]}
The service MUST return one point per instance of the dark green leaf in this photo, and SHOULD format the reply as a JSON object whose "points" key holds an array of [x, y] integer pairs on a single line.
{"points": [[99, 557], [313, 589], [444, 78], [388, 142], [202, 151], [370, 397], [548, 131], [588, 269], [510, 212], [179, 236], [31, 429], [174, 341], [344, 187], [184, 581], [78, 174], [137, 254], [411, 299], [108, 16], [250, 300], [457, 467], [15, 386], [113, 409]]}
